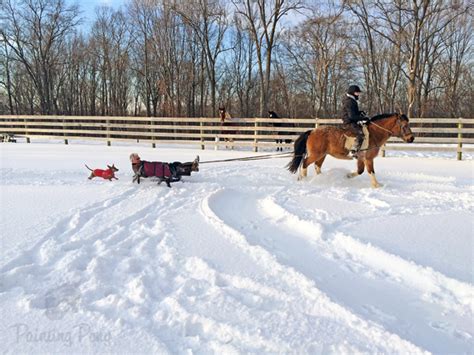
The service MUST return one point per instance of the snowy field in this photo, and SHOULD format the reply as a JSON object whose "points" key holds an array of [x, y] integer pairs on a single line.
{"points": [[240, 258]]}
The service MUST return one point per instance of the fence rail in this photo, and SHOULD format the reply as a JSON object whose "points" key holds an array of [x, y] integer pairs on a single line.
{"points": [[203, 131]]}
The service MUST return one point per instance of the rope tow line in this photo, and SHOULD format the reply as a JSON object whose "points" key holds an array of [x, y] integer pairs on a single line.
{"points": [[256, 157]]}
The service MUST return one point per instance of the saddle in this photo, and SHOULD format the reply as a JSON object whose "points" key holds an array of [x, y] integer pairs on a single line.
{"points": [[349, 142]]}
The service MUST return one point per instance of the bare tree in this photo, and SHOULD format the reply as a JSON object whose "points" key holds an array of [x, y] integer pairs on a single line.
{"points": [[182, 58], [111, 46], [314, 51], [240, 68], [208, 19], [6, 73], [457, 41], [35, 30], [262, 18]]}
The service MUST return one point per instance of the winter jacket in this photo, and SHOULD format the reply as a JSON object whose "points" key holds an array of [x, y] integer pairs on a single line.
{"points": [[350, 110]]}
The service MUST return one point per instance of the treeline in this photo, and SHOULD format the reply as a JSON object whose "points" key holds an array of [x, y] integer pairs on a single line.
{"points": [[188, 57]]}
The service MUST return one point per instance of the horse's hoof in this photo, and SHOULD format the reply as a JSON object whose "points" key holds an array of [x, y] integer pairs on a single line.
{"points": [[351, 175]]}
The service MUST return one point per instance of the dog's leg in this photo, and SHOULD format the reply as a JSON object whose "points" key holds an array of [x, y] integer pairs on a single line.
{"points": [[91, 176]]}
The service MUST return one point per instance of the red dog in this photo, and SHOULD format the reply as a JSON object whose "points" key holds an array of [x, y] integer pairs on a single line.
{"points": [[108, 174]]}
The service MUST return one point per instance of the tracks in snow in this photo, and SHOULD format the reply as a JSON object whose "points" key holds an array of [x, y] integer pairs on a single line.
{"points": [[232, 269], [377, 285]]}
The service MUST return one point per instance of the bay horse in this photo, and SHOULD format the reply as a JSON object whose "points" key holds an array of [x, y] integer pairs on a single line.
{"points": [[226, 121], [313, 146]]}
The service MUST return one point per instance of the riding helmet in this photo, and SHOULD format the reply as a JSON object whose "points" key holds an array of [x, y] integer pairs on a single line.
{"points": [[352, 89]]}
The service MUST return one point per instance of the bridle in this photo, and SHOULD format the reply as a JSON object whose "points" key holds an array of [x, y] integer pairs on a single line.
{"points": [[398, 121]]}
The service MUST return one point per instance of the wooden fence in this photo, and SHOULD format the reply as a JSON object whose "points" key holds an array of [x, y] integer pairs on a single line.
{"points": [[442, 134]]}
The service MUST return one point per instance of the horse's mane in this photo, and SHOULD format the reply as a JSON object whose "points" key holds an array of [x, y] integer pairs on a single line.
{"points": [[387, 115], [382, 116]]}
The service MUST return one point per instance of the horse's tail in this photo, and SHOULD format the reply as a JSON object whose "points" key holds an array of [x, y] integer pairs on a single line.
{"points": [[299, 152]]}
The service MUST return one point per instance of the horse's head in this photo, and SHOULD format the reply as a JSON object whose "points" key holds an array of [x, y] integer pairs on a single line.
{"points": [[222, 113], [402, 129], [396, 124], [273, 114]]}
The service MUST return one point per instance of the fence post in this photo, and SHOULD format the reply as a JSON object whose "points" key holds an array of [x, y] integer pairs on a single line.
{"points": [[255, 133], [316, 124], [108, 132], [460, 139], [26, 132], [153, 144], [201, 133], [64, 128]]}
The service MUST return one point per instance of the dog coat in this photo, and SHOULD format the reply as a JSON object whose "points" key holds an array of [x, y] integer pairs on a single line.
{"points": [[156, 168], [106, 174], [169, 172]]}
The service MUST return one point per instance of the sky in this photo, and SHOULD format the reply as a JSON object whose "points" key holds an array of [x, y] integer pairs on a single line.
{"points": [[88, 9]]}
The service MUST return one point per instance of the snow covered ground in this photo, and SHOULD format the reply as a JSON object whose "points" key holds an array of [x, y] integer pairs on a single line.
{"points": [[240, 258]]}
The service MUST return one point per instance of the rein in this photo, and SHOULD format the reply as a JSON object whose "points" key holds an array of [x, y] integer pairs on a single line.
{"points": [[383, 129], [389, 130]]}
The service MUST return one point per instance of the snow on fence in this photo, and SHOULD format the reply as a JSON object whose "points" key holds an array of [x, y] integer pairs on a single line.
{"points": [[442, 134]]}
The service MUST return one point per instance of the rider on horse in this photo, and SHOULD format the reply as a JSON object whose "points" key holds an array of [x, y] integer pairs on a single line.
{"points": [[353, 118]]}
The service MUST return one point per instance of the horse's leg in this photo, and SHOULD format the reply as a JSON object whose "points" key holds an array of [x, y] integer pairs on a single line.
{"points": [[318, 165], [369, 164], [304, 168], [360, 169]]}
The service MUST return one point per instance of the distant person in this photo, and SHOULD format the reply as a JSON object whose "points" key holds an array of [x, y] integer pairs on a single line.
{"points": [[353, 118]]}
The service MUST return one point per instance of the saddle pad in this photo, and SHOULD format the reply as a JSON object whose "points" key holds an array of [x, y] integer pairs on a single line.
{"points": [[157, 169], [350, 140]]}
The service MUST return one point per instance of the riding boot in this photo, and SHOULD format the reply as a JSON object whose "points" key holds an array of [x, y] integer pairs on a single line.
{"points": [[356, 146]]}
